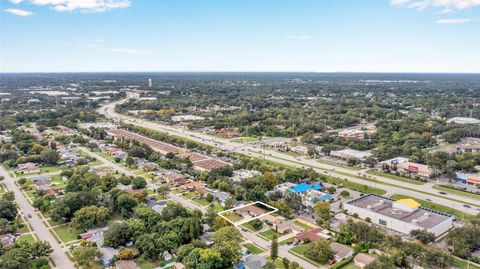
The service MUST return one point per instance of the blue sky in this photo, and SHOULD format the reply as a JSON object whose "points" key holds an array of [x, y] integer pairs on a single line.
{"points": [[240, 35]]}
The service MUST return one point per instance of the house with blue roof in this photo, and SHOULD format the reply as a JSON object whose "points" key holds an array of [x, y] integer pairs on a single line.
{"points": [[303, 187]]}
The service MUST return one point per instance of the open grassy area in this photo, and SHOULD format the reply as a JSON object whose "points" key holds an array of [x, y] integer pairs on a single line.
{"points": [[457, 213], [190, 195], [462, 264], [304, 226], [26, 238], [356, 186], [249, 226], [145, 264], [254, 249], [394, 177], [202, 201], [269, 234], [353, 168], [218, 208], [66, 234], [246, 139], [350, 265], [300, 249], [278, 263], [232, 216], [458, 192], [50, 169]]}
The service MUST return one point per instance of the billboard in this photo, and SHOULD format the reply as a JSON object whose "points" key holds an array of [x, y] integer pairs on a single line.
{"points": [[413, 168]]}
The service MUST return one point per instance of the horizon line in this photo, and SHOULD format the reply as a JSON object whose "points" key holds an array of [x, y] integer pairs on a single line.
{"points": [[214, 71]]}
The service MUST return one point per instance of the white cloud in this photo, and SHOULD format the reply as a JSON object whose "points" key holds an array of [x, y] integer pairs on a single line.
{"points": [[398, 2], [18, 12], [453, 21], [446, 5], [80, 5], [298, 37]]}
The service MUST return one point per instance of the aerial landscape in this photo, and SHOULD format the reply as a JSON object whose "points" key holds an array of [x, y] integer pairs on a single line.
{"points": [[242, 134]]}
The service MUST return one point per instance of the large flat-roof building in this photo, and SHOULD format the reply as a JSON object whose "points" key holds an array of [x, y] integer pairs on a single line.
{"points": [[463, 120], [346, 154], [402, 216]]}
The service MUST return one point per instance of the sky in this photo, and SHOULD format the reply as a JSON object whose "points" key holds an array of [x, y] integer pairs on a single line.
{"points": [[240, 35]]}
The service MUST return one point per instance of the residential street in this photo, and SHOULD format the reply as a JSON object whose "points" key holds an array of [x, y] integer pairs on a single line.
{"points": [[58, 256]]}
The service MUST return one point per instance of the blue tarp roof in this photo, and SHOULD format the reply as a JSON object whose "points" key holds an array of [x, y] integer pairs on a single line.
{"points": [[304, 187], [326, 197]]}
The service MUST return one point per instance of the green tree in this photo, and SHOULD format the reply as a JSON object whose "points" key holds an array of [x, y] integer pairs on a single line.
{"points": [[86, 256], [274, 248], [89, 217], [319, 251]]}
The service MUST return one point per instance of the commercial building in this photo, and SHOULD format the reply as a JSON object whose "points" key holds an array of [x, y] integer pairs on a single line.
{"points": [[402, 165], [468, 144], [352, 134], [347, 154], [402, 216], [473, 179], [463, 120]]}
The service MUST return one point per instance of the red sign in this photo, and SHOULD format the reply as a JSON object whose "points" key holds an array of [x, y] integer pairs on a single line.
{"points": [[413, 168]]}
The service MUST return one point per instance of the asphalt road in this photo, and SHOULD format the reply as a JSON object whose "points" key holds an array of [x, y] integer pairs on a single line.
{"points": [[424, 191], [58, 256]]}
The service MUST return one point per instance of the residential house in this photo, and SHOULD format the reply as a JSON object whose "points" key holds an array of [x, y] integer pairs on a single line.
{"points": [[28, 168], [126, 264], [287, 227], [313, 235], [173, 178], [362, 259], [341, 251], [7, 239], [179, 265], [96, 235], [250, 210], [355, 134], [222, 197]]}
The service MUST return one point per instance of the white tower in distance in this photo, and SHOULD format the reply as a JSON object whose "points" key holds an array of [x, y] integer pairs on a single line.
{"points": [[150, 82]]}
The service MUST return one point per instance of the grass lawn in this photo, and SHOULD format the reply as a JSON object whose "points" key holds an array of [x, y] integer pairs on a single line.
{"points": [[462, 264], [254, 249], [27, 238], [458, 192], [304, 226], [353, 168], [66, 234], [246, 139], [202, 201], [218, 207], [350, 265], [190, 195], [50, 169], [356, 186], [145, 264], [232, 216], [394, 177], [300, 249], [55, 223], [269, 234], [249, 226], [24, 229], [278, 263], [457, 213]]}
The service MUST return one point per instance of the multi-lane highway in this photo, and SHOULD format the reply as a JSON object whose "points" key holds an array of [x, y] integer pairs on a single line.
{"points": [[424, 192]]}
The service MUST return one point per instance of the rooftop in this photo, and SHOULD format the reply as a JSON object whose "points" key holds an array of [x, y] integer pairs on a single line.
{"points": [[304, 187], [421, 217]]}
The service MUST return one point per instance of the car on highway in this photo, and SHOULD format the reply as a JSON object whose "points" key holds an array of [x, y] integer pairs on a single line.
{"points": [[29, 215], [428, 199], [467, 206], [442, 192]]}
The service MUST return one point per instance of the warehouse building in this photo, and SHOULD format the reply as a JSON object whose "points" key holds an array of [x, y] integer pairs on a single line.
{"points": [[401, 216]]}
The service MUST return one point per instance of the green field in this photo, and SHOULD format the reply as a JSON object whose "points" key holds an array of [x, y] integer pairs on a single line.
{"points": [[300, 249], [249, 226], [66, 234], [304, 226], [26, 238], [278, 263], [462, 264], [457, 213], [232, 216], [353, 168], [394, 177], [254, 249], [458, 192], [269, 234], [201, 201]]}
